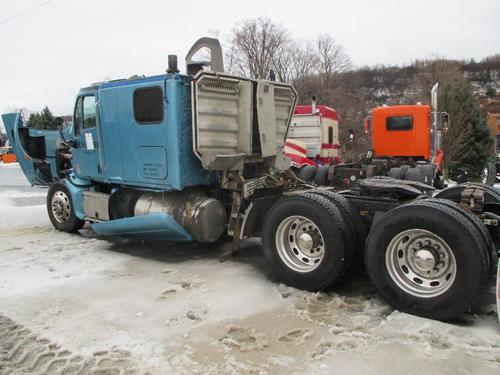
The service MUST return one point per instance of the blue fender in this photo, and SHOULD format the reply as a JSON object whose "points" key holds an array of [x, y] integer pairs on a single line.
{"points": [[159, 226], [76, 187]]}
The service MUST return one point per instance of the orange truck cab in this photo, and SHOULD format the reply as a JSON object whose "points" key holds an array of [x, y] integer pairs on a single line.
{"points": [[406, 132], [402, 131]]}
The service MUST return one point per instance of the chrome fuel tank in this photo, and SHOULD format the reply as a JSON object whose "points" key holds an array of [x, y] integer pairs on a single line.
{"points": [[203, 217]]}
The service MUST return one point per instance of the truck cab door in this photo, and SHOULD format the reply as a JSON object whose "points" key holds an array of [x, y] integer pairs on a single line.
{"points": [[87, 161], [36, 150]]}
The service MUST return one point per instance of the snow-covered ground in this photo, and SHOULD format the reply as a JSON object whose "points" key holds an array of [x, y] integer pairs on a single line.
{"points": [[89, 304]]}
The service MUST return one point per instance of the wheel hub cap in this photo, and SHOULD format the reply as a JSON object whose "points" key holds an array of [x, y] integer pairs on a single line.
{"points": [[300, 243], [421, 263], [424, 260], [61, 207], [305, 241]]}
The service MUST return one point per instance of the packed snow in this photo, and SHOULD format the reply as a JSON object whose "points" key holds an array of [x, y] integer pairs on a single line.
{"points": [[89, 304]]}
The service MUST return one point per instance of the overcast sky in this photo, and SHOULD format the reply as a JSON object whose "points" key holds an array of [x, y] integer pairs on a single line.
{"points": [[48, 53]]}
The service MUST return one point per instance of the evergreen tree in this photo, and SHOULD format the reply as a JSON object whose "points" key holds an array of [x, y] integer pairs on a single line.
{"points": [[42, 120], [468, 143], [34, 120], [491, 92]]}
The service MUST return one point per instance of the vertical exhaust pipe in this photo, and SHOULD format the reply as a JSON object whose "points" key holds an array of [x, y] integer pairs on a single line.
{"points": [[434, 111]]}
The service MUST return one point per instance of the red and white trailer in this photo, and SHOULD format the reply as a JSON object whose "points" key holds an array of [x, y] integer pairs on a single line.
{"points": [[313, 136]]}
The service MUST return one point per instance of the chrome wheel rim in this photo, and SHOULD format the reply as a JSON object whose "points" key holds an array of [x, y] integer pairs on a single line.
{"points": [[61, 206], [485, 175], [421, 263], [300, 244]]}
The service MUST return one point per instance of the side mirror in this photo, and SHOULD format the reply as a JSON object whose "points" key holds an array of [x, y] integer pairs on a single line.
{"points": [[351, 135], [59, 121], [445, 122]]}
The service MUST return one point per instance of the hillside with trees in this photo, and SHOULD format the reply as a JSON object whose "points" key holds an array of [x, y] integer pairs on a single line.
{"points": [[262, 49]]}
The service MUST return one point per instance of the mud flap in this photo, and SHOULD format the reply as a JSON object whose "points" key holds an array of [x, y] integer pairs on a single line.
{"points": [[262, 200]]}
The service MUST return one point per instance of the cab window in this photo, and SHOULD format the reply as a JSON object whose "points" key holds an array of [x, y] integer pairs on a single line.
{"points": [[89, 113], [398, 123], [78, 117], [148, 105], [85, 114]]}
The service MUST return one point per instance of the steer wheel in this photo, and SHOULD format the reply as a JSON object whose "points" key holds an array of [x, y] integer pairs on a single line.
{"points": [[61, 210]]}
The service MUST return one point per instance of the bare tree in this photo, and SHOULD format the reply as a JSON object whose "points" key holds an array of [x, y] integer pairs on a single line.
{"points": [[258, 45], [283, 60], [304, 62], [254, 47], [332, 57], [294, 61]]}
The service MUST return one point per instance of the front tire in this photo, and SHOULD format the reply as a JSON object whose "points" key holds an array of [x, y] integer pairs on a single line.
{"points": [[428, 260], [61, 210]]}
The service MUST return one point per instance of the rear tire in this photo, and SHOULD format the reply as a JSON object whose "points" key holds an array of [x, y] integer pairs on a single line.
{"points": [[427, 260], [414, 174], [474, 220], [439, 181], [355, 225], [61, 210], [427, 172], [308, 173], [397, 173], [322, 176], [404, 168], [303, 239], [489, 175], [453, 193]]}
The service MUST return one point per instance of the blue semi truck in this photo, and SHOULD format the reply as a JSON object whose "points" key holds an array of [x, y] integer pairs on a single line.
{"points": [[199, 156]]}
